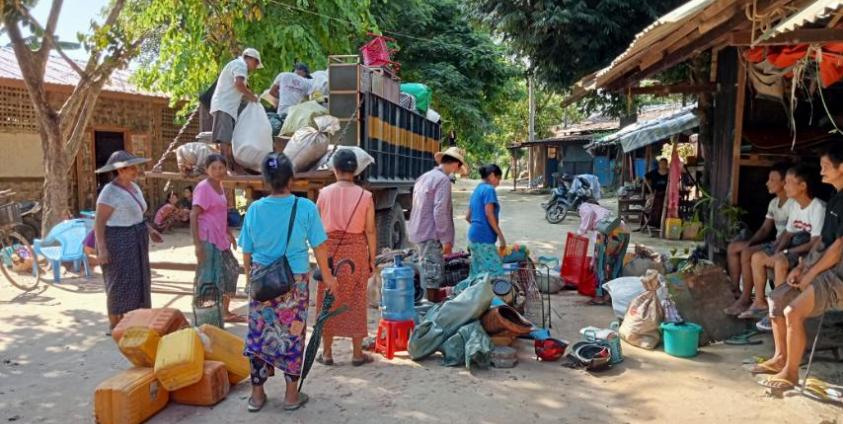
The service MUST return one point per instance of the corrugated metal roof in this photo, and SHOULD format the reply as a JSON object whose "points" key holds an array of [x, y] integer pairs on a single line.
{"points": [[59, 72], [809, 14], [657, 30]]}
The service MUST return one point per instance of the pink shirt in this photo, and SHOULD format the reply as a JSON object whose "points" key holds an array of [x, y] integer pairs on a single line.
{"points": [[213, 221], [336, 204], [163, 213]]}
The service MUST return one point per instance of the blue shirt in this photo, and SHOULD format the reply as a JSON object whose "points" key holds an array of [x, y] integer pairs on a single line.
{"points": [[480, 231], [264, 232]]}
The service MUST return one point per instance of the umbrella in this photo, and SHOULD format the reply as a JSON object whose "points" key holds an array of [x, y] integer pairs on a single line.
{"points": [[316, 335]]}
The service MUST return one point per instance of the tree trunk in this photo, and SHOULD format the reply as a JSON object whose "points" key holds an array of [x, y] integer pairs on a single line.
{"points": [[56, 166]]}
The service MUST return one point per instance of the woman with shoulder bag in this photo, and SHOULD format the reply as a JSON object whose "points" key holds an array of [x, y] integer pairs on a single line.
{"points": [[123, 238], [348, 213], [277, 258]]}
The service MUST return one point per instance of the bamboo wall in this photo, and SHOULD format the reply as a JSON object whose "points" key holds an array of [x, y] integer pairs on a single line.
{"points": [[147, 123]]}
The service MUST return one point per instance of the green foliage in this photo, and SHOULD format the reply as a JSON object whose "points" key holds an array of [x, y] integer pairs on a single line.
{"points": [[196, 38], [512, 124], [470, 75], [567, 39]]}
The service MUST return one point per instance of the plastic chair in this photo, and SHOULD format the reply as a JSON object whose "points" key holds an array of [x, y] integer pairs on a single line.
{"points": [[64, 243]]}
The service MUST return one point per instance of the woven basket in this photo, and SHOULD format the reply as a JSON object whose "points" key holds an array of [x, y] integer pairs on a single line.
{"points": [[10, 214]]}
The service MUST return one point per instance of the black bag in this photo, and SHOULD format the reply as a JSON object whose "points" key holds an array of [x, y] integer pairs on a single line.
{"points": [[276, 279]]}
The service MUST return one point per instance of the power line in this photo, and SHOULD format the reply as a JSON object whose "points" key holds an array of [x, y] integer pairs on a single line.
{"points": [[393, 33]]}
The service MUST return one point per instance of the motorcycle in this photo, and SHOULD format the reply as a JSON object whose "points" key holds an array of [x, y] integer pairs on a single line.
{"points": [[563, 200]]}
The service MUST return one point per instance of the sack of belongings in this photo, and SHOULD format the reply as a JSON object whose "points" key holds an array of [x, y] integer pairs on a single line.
{"points": [[363, 159], [252, 137], [644, 258], [470, 345], [191, 158], [623, 291], [302, 115], [308, 144], [640, 326]]}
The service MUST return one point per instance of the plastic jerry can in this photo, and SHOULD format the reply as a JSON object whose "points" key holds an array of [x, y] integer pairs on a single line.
{"points": [[129, 397], [163, 320], [212, 388], [139, 345], [179, 360], [673, 228], [220, 345], [398, 294]]}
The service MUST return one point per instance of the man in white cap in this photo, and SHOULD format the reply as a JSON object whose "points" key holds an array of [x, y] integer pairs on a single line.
{"points": [[231, 90], [431, 226]]}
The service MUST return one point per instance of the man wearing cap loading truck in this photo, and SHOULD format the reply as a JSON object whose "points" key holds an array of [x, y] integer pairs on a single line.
{"points": [[230, 91], [431, 226]]}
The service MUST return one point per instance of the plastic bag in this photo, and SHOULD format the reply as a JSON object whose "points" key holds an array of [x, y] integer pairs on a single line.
{"points": [[623, 290], [301, 116], [252, 137], [320, 85], [308, 145], [421, 92], [432, 115], [640, 325]]}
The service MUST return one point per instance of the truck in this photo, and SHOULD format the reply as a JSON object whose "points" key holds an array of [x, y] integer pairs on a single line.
{"points": [[402, 142]]}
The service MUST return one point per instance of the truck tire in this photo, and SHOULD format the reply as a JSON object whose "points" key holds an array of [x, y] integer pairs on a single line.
{"points": [[392, 232]]}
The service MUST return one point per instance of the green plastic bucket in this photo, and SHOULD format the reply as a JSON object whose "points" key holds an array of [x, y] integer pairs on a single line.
{"points": [[681, 340]]}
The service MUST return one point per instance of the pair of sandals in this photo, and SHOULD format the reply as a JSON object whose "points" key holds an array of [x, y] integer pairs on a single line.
{"points": [[366, 359], [254, 407], [770, 381]]}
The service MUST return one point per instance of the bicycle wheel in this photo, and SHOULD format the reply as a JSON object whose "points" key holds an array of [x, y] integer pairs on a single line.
{"points": [[18, 261]]}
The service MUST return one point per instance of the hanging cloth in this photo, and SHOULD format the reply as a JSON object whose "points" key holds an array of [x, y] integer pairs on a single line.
{"points": [[673, 178]]}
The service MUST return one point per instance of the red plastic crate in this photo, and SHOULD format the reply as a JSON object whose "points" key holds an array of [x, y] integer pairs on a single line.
{"points": [[576, 270]]}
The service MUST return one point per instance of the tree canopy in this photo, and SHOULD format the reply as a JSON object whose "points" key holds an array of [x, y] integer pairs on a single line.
{"points": [[470, 75], [183, 61], [567, 39]]}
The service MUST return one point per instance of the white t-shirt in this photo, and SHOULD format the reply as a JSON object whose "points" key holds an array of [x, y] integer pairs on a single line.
{"points": [[779, 215], [128, 209], [226, 97], [292, 89], [809, 219]]}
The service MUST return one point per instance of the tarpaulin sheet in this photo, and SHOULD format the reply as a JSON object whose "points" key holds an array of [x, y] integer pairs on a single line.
{"points": [[470, 345], [642, 134], [444, 320]]}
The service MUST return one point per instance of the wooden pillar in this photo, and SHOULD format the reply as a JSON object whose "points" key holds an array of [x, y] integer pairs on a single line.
{"points": [[738, 135]]}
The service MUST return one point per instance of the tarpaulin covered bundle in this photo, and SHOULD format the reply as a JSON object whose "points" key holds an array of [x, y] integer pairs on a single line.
{"points": [[444, 320], [470, 345], [421, 92]]}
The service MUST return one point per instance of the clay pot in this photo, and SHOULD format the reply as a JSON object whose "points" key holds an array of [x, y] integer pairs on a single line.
{"points": [[505, 318]]}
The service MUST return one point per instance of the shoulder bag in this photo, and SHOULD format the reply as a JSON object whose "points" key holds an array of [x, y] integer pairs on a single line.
{"points": [[277, 278]]}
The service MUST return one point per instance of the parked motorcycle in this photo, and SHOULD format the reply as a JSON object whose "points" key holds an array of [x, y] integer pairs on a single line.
{"points": [[563, 200]]}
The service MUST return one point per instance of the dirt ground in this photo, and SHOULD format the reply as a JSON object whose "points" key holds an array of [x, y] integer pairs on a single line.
{"points": [[53, 353]]}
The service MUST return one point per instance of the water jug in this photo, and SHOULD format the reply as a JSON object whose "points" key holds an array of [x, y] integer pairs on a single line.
{"points": [[398, 294]]}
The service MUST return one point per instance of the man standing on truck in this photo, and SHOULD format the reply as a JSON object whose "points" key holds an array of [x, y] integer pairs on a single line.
{"points": [[291, 88], [431, 226], [231, 90]]}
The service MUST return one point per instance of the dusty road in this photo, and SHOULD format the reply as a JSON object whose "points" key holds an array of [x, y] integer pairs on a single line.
{"points": [[53, 353]]}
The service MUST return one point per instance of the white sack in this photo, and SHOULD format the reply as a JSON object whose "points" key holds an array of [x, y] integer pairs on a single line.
{"points": [[252, 138], [308, 145]]}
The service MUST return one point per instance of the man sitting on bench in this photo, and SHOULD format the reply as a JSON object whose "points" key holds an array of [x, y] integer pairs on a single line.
{"points": [[740, 252], [804, 224], [813, 287]]}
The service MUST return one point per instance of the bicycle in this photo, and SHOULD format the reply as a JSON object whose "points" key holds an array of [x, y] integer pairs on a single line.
{"points": [[18, 261]]}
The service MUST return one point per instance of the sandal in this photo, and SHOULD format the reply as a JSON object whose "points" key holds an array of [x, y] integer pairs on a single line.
{"points": [[235, 318], [366, 359], [303, 398], [325, 361], [753, 313], [763, 369], [735, 310], [776, 383], [253, 407]]}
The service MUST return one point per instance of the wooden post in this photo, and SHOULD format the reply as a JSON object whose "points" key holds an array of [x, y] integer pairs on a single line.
{"points": [[738, 134]]}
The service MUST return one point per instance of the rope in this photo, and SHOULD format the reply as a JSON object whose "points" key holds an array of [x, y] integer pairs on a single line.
{"points": [[160, 165]]}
